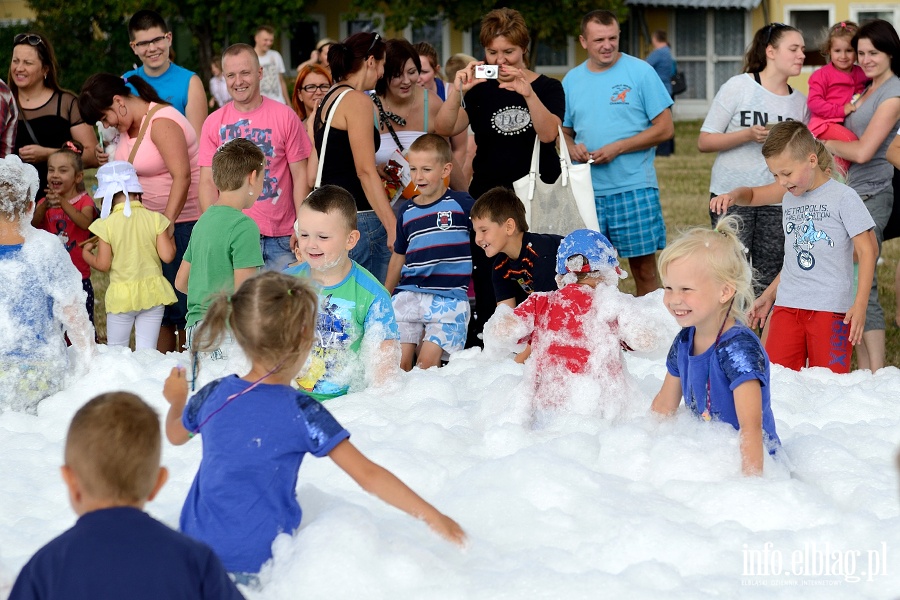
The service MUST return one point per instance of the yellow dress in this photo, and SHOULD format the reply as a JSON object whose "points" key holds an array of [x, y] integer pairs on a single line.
{"points": [[136, 281]]}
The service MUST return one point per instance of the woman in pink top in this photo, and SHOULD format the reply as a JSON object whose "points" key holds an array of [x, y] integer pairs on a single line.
{"points": [[166, 164]]}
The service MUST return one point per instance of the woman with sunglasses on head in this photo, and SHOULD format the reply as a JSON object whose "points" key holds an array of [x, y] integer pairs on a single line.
{"points": [[313, 81], [48, 115], [743, 111], [349, 158]]}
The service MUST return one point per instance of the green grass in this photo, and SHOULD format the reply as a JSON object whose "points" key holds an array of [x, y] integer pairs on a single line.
{"points": [[684, 190]]}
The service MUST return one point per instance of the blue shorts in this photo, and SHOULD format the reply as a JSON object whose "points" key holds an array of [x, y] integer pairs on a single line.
{"points": [[430, 318], [632, 221]]}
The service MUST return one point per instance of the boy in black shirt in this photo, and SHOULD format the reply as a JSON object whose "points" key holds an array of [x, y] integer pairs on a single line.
{"points": [[524, 262]]}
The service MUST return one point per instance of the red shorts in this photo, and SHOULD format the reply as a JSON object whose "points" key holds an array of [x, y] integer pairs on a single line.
{"points": [[809, 338]]}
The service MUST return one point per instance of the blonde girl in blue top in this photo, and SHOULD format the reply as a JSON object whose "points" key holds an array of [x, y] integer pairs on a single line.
{"points": [[132, 241], [244, 493], [716, 363]]}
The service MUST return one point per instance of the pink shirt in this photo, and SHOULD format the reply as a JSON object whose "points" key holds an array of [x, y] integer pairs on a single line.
{"points": [[278, 132], [829, 91], [151, 168]]}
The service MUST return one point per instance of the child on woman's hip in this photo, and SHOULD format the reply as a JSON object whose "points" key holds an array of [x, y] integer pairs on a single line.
{"points": [[834, 89]]}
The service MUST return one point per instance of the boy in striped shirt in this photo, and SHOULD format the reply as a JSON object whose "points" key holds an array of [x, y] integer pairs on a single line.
{"points": [[431, 267]]}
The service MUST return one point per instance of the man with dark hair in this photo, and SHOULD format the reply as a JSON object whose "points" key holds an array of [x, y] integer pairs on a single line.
{"points": [[151, 42], [617, 111]]}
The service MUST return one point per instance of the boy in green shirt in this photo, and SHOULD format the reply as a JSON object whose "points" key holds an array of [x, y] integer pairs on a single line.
{"points": [[224, 248]]}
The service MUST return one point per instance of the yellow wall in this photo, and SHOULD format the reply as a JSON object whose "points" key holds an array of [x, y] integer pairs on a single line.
{"points": [[15, 10]]}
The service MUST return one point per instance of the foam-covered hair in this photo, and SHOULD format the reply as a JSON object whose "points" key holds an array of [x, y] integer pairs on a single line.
{"points": [[18, 185], [589, 251]]}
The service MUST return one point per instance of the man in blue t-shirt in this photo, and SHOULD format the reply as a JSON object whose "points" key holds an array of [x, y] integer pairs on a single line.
{"points": [[151, 41], [617, 111]]}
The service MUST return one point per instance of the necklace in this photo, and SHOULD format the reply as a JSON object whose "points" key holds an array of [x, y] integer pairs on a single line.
{"points": [[707, 414], [396, 118]]}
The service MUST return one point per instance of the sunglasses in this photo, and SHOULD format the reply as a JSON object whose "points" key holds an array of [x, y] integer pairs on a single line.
{"points": [[374, 41], [322, 87], [30, 38], [155, 41], [771, 28]]}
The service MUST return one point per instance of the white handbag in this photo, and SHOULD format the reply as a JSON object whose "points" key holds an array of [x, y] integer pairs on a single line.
{"points": [[563, 206]]}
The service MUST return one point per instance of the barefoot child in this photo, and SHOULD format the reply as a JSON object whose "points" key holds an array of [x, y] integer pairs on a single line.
{"points": [[67, 212], [244, 494], [834, 88], [817, 316], [40, 299], [716, 363], [355, 310], [132, 242], [431, 267]]}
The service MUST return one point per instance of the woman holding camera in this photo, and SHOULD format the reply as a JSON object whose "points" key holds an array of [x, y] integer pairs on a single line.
{"points": [[507, 105]]}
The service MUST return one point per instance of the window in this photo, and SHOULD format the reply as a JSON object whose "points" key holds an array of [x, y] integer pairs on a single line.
{"points": [[304, 35], [866, 12], [708, 46], [813, 22], [436, 32], [351, 26]]}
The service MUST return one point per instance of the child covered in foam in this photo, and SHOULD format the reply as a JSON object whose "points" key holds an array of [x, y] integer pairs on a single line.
{"points": [[582, 329], [41, 299]]}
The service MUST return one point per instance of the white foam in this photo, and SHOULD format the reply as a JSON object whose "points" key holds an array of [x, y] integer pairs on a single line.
{"points": [[581, 506]]}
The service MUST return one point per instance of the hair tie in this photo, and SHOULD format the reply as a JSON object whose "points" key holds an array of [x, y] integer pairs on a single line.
{"points": [[290, 292], [843, 25], [72, 147]]}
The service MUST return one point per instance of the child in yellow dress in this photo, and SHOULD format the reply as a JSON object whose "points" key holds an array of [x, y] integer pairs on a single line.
{"points": [[132, 241]]}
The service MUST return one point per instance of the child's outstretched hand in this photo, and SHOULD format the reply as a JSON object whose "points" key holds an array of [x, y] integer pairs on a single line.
{"points": [[448, 529], [720, 204], [175, 389]]}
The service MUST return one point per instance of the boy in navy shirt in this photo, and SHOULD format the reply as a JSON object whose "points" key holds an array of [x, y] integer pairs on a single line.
{"points": [[115, 549], [431, 266], [524, 262]]}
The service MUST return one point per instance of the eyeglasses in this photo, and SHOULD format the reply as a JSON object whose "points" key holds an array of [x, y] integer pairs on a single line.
{"points": [[770, 29], [31, 38], [374, 41], [157, 41], [322, 87]]}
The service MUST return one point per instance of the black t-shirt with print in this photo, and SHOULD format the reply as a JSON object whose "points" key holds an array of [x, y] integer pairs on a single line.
{"points": [[505, 135], [533, 271]]}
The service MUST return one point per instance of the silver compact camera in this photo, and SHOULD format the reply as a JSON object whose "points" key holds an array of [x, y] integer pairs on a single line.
{"points": [[486, 71]]}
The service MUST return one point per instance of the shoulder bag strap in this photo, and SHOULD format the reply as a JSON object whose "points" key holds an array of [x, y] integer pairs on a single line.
{"points": [[331, 110], [144, 126], [387, 121]]}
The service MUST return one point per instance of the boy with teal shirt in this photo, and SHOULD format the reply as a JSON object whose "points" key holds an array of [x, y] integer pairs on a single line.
{"points": [[224, 248], [356, 320]]}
